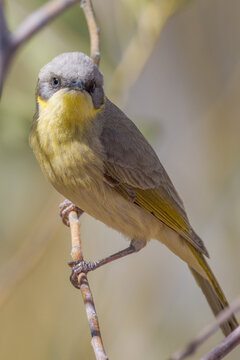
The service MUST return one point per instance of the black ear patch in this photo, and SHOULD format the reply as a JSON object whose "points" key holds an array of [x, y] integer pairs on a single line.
{"points": [[98, 97]]}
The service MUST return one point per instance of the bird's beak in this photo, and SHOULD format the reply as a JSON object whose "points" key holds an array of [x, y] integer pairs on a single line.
{"points": [[76, 85]]}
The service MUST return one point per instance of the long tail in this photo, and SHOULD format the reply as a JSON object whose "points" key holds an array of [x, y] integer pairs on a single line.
{"points": [[213, 292]]}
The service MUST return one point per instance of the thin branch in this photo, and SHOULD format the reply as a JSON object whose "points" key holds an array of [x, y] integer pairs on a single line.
{"points": [[38, 19], [225, 347], [33, 23], [207, 331], [76, 253], [93, 30]]}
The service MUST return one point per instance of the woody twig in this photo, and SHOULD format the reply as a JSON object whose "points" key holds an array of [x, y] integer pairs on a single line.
{"points": [[84, 287], [93, 30], [73, 216]]}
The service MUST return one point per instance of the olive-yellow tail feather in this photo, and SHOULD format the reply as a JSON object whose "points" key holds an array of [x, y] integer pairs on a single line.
{"points": [[213, 292]]}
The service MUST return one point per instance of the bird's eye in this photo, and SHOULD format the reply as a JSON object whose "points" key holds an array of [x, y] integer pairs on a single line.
{"points": [[91, 87], [55, 81]]}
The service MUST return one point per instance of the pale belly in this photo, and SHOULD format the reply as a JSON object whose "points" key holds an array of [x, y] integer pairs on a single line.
{"points": [[116, 212], [86, 188], [104, 204]]}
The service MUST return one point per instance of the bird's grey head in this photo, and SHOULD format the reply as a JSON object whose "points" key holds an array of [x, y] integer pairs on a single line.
{"points": [[73, 71]]}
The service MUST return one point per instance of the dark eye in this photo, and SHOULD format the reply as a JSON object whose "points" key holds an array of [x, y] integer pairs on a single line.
{"points": [[55, 81], [91, 87]]}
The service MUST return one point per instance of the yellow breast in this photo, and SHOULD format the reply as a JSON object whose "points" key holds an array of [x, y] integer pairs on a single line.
{"points": [[61, 136], [64, 114]]}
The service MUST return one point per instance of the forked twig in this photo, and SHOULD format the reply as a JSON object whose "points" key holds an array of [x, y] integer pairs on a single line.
{"points": [[10, 42], [207, 332], [76, 254]]}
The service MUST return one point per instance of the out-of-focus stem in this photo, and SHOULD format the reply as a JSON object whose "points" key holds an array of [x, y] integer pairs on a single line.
{"points": [[207, 332]]}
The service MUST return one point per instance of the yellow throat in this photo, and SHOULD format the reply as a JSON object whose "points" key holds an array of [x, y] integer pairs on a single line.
{"points": [[66, 113]]}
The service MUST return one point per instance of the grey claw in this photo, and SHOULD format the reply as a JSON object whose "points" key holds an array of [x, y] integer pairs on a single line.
{"points": [[72, 263], [78, 267], [74, 281]]}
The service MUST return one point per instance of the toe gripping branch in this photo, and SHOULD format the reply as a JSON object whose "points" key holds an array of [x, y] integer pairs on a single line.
{"points": [[70, 214], [78, 267], [65, 208]]}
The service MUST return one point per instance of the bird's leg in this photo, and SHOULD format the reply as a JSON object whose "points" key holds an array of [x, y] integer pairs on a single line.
{"points": [[65, 208], [79, 266]]}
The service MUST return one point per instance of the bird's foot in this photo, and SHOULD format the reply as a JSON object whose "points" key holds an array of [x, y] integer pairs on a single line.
{"points": [[65, 208], [80, 266]]}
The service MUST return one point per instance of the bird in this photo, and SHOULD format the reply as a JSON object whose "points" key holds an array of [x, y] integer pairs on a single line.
{"points": [[96, 157]]}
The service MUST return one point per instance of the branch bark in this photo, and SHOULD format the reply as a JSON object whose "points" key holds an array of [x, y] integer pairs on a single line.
{"points": [[76, 254]]}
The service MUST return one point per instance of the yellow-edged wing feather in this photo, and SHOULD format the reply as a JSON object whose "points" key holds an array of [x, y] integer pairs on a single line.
{"points": [[160, 204]]}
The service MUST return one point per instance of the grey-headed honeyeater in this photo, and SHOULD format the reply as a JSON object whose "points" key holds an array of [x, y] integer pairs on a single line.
{"points": [[96, 157]]}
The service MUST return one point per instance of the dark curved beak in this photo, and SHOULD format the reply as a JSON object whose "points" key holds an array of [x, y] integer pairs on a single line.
{"points": [[77, 85]]}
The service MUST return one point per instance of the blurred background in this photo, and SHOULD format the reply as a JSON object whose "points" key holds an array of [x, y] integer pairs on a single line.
{"points": [[174, 67]]}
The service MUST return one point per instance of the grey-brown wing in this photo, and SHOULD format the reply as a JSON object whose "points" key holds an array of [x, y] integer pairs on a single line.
{"points": [[134, 168], [132, 159]]}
